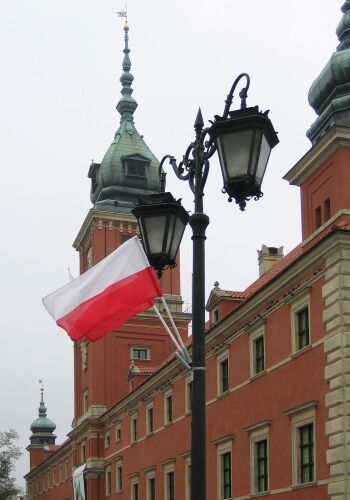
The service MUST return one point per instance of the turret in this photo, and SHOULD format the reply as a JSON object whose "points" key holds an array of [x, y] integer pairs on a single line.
{"points": [[330, 93], [42, 440], [129, 169]]}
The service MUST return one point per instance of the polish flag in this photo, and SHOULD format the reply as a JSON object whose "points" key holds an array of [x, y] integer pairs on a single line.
{"points": [[104, 297]]}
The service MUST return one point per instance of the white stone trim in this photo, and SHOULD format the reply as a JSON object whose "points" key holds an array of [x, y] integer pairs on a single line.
{"points": [[223, 446], [253, 336], [296, 306]]}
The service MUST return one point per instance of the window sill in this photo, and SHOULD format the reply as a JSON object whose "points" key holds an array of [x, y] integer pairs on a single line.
{"points": [[301, 351], [258, 375], [222, 395], [260, 494], [304, 485], [168, 424]]}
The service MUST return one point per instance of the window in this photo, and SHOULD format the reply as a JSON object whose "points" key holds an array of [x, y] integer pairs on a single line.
{"points": [[108, 481], [259, 355], [224, 468], [303, 328], [61, 473], [149, 415], [168, 410], [66, 470], [54, 476], [170, 485], [135, 167], [151, 485], [259, 465], [140, 352], [303, 420], [134, 428], [226, 474], [108, 439], [118, 431], [134, 487], [327, 209], [318, 217], [300, 322], [215, 315], [188, 394], [188, 477], [223, 373], [85, 400], [261, 472], [119, 476], [83, 453]]}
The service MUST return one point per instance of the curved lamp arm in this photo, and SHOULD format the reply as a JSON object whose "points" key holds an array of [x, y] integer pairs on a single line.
{"points": [[201, 150]]}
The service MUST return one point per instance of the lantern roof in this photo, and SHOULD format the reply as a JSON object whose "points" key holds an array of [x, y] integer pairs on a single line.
{"points": [[129, 169], [42, 428], [329, 94]]}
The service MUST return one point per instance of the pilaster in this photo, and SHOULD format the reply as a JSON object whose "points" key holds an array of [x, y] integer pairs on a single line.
{"points": [[336, 317]]}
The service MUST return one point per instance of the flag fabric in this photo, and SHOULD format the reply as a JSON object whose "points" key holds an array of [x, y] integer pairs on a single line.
{"points": [[104, 297]]}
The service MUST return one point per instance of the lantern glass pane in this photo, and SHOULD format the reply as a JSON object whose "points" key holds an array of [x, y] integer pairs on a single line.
{"points": [[265, 151], [154, 228], [178, 232], [234, 152], [170, 230]]}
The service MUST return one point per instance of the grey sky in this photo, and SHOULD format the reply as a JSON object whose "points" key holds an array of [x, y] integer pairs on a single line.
{"points": [[60, 65]]}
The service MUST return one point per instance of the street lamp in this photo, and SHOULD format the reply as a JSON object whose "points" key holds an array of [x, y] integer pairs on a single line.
{"points": [[244, 139]]}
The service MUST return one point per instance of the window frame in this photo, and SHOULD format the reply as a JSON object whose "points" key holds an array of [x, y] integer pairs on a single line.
{"points": [[119, 476], [169, 469], [139, 347], [118, 430], [220, 360], [302, 416], [296, 307], [254, 336], [188, 393], [108, 439], [134, 481], [108, 480], [151, 475], [150, 423], [223, 447], [259, 433], [133, 428], [168, 409]]}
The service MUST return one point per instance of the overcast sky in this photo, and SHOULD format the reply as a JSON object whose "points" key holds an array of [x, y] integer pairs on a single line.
{"points": [[60, 69]]}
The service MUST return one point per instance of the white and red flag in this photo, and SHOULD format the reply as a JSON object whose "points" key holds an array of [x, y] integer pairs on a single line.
{"points": [[104, 297]]}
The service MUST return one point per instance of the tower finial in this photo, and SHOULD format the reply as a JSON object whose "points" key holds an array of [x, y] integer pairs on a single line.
{"points": [[127, 104]]}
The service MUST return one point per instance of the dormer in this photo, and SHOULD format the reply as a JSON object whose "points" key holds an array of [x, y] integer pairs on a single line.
{"points": [[221, 303]]}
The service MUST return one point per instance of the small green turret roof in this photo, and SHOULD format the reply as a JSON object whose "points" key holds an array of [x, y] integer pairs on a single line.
{"points": [[129, 169], [329, 95], [42, 428]]}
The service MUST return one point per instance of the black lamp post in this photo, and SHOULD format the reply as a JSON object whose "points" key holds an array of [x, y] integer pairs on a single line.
{"points": [[244, 139]]}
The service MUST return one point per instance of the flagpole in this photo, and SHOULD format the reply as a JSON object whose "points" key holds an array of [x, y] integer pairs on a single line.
{"points": [[183, 347]]}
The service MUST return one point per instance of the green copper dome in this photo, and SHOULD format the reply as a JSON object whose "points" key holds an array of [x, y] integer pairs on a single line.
{"points": [[329, 95], [129, 169], [42, 428]]}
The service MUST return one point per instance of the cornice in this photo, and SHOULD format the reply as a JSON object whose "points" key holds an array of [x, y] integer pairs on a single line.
{"points": [[63, 450], [337, 137], [95, 214]]}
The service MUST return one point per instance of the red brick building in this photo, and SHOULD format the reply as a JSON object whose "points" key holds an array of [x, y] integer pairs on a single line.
{"points": [[278, 353]]}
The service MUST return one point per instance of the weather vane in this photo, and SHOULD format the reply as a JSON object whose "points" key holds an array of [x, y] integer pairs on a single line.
{"points": [[41, 384], [124, 12]]}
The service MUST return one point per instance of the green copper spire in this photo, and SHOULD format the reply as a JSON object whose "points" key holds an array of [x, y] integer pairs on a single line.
{"points": [[127, 104], [42, 428], [129, 169], [329, 95]]}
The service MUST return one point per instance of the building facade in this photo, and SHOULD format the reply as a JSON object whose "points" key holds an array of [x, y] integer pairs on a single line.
{"points": [[277, 353]]}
